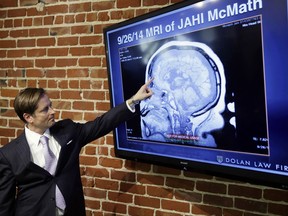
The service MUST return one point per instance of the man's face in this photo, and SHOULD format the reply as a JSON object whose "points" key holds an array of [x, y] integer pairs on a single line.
{"points": [[43, 117]]}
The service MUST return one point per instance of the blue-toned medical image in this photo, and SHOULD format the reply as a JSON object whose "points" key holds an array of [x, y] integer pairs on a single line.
{"points": [[209, 89], [189, 89]]}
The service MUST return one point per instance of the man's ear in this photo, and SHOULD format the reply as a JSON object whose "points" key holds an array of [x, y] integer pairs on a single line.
{"points": [[28, 118]]}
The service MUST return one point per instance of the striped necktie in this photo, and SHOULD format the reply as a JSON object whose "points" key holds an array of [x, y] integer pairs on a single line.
{"points": [[50, 158], [50, 166]]}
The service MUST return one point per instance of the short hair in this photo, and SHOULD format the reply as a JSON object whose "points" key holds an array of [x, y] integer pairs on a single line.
{"points": [[27, 101]]}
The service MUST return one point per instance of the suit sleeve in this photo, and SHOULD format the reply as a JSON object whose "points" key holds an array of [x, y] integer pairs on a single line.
{"points": [[7, 188], [106, 123], [92, 130]]}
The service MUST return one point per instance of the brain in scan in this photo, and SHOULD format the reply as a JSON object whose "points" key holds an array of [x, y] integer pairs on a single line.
{"points": [[189, 88]]}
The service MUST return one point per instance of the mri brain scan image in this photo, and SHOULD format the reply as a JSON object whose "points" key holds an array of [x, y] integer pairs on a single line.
{"points": [[189, 89]]}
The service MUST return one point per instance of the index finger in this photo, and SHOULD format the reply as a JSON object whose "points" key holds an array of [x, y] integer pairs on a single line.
{"points": [[149, 82]]}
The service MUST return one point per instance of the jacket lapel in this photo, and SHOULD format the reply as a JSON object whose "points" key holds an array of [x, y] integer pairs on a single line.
{"points": [[66, 148], [23, 150], [23, 159]]}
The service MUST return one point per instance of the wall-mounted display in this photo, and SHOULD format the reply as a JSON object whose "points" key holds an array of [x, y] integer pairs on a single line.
{"points": [[220, 83]]}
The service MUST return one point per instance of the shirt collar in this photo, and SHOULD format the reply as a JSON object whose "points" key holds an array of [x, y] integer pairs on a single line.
{"points": [[33, 137]]}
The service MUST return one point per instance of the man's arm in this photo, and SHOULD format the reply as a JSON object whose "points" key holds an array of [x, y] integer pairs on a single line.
{"points": [[105, 123]]}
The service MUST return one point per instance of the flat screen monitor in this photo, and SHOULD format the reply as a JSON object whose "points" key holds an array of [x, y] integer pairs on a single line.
{"points": [[220, 87]]}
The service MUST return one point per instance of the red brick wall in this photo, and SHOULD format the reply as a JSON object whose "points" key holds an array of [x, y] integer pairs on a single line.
{"points": [[61, 49]]}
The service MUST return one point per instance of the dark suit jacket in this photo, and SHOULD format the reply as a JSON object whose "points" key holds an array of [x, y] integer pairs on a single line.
{"points": [[36, 187]]}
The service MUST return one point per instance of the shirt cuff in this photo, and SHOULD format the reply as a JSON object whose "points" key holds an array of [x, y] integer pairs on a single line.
{"points": [[130, 107]]}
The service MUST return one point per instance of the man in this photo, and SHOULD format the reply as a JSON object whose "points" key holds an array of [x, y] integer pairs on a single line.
{"points": [[43, 162]]}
